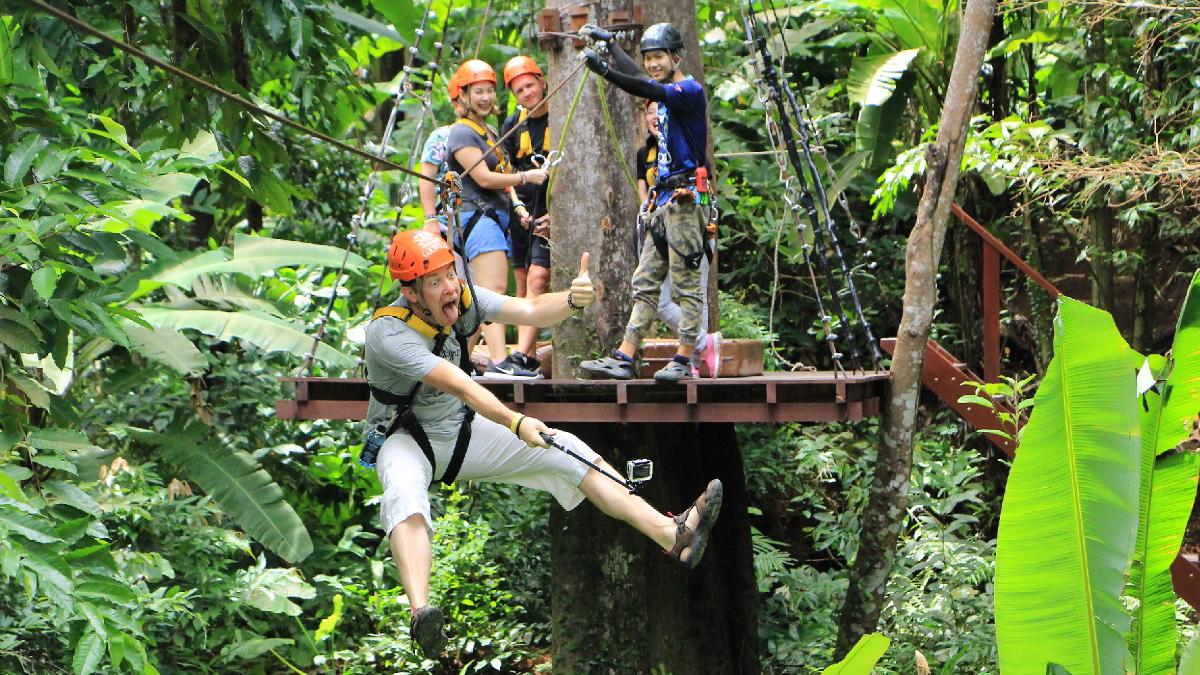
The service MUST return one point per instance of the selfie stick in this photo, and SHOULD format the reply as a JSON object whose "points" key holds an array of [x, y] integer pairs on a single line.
{"points": [[632, 486]]}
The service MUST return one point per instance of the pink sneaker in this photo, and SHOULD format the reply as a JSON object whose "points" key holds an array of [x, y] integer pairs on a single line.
{"points": [[712, 354]]}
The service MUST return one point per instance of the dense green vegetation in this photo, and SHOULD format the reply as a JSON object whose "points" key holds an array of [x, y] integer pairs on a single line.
{"points": [[165, 256]]}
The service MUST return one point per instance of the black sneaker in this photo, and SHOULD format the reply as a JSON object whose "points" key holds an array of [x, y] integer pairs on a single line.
{"points": [[527, 362], [509, 369], [426, 630]]}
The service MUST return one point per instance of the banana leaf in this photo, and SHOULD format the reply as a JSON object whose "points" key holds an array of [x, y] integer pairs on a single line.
{"points": [[243, 489], [1168, 490], [862, 658], [263, 331], [1069, 517]]}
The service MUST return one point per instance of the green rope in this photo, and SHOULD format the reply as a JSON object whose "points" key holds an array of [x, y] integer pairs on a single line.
{"points": [[562, 136], [612, 136]]}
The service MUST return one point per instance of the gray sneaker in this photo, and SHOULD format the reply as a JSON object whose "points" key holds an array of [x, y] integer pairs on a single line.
{"points": [[426, 629], [674, 371], [609, 366]]}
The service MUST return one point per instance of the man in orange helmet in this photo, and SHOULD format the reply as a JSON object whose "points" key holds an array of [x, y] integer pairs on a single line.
{"points": [[427, 419], [528, 149]]}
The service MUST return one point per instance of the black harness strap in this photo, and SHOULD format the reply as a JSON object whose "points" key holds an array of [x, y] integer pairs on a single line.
{"points": [[405, 419]]}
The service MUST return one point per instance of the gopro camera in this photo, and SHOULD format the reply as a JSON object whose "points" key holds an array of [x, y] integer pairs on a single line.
{"points": [[639, 470]]}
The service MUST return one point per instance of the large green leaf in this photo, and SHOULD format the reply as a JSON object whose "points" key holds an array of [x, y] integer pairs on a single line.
{"points": [[878, 124], [1069, 517], [166, 346], [862, 658], [89, 651], [256, 255], [1168, 490], [263, 331], [243, 488], [873, 79], [17, 164]]}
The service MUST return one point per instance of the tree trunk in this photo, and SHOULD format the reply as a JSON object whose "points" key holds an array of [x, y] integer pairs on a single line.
{"points": [[886, 507], [241, 75], [618, 604], [1101, 221]]}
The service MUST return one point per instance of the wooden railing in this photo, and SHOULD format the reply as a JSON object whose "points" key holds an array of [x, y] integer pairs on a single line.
{"points": [[993, 249]]}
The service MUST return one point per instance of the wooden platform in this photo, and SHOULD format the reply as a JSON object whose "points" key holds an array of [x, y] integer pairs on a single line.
{"points": [[818, 396]]}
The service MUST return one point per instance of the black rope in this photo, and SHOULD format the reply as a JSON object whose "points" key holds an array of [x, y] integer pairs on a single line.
{"points": [[806, 202], [806, 127], [203, 84]]}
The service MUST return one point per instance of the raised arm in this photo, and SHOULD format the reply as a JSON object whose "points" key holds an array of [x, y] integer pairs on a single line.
{"points": [[550, 308]]}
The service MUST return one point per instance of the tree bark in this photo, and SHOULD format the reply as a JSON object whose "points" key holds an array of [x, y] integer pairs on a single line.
{"points": [[886, 507], [618, 604]]}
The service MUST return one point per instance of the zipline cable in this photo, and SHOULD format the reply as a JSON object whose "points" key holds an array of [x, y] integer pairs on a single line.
{"points": [[203, 84]]}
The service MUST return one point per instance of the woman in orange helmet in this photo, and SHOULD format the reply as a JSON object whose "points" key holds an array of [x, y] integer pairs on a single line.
{"points": [[428, 420], [485, 199]]}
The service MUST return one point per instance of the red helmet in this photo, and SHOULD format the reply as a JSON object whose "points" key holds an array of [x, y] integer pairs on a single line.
{"points": [[472, 71], [415, 253], [520, 65]]}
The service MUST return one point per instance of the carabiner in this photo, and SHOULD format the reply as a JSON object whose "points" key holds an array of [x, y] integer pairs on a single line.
{"points": [[547, 160]]}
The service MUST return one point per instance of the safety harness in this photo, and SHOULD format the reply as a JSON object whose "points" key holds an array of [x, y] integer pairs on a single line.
{"points": [[525, 144], [501, 167], [405, 418]]}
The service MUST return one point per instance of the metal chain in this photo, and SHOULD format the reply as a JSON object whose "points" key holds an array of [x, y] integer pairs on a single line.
{"points": [[808, 132], [403, 90]]}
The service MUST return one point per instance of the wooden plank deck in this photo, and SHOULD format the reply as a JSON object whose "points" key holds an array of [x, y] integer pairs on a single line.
{"points": [[813, 396]]}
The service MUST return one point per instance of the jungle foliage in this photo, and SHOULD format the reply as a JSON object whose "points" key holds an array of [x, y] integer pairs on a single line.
{"points": [[165, 256]]}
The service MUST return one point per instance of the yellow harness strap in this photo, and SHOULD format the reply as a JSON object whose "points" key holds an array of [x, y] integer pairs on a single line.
{"points": [[526, 147], [486, 134], [652, 166], [418, 324]]}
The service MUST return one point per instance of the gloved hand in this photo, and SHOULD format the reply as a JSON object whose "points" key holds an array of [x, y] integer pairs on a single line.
{"points": [[593, 62], [595, 32]]}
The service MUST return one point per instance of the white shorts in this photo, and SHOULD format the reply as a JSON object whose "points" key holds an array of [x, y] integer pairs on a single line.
{"points": [[494, 454]]}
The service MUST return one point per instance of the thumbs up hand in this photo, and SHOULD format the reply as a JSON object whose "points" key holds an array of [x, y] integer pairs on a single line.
{"points": [[582, 293]]}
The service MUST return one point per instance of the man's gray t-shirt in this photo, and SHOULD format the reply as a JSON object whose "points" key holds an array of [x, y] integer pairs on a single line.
{"points": [[398, 357], [475, 198]]}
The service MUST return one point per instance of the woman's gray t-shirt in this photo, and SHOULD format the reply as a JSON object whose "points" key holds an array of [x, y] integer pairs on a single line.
{"points": [[397, 357], [474, 197]]}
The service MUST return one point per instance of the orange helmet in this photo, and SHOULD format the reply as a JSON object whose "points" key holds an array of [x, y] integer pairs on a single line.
{"points": [[415, 253], [520, 65], [454, 87], [470, 72]]}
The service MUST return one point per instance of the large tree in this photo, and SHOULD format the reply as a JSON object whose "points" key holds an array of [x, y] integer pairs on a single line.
{"points": [[618, 603], [887, 506]]}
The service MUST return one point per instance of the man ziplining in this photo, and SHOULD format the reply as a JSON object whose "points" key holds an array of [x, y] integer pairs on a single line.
{"points": [[677, 217], [428, 420]]}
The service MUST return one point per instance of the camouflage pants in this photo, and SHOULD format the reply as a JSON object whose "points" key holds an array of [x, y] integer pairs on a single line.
{"points": [[679, 229]]}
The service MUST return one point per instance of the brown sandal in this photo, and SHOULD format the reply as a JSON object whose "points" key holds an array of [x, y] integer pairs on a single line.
{"points": [[708, 505]]}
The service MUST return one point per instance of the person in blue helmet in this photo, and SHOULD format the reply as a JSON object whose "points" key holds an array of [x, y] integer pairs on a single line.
{"points": [[677, 218]]}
